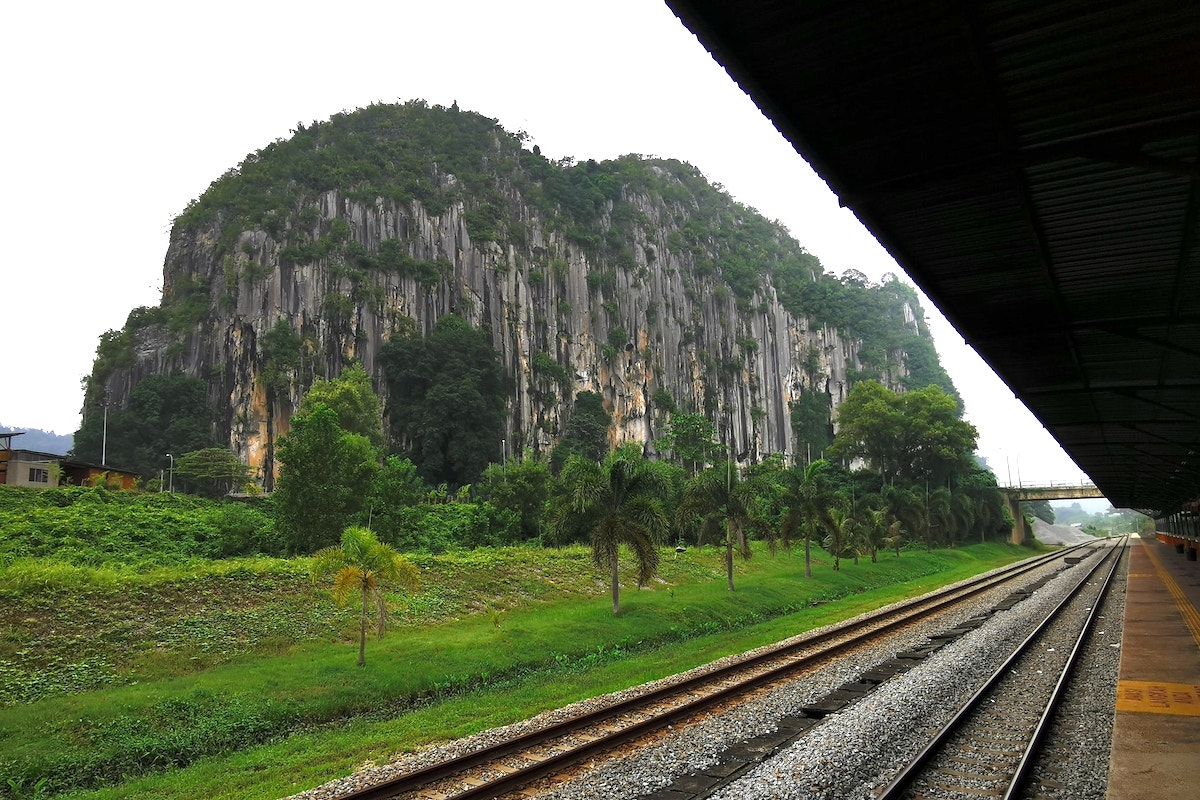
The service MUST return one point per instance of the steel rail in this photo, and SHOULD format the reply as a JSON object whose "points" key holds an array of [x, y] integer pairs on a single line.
{"points": [[909, 773], [903, 614], [1025, 766]]}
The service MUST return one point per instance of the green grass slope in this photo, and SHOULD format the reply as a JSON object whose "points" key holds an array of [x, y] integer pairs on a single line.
{"points": [[237, 678]]}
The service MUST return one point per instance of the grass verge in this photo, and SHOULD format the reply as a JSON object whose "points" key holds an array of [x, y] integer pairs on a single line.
{"points": [[269, 724]]}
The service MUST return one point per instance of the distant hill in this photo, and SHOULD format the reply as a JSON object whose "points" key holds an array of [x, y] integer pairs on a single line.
{"points": [[39, 440]]}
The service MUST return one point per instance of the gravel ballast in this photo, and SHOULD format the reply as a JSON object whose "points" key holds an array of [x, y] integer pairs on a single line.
{"points": [[842, 757]]}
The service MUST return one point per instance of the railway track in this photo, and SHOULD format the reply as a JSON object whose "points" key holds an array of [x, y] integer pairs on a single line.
{"points": [[555, 749], [990, 745]]}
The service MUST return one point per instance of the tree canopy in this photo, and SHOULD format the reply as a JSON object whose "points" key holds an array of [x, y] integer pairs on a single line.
{"points": [[910, 436], [165, 414], [446, 400], [214, 471], [692, 438], [325, 478], [352, 398], [586, 433]]}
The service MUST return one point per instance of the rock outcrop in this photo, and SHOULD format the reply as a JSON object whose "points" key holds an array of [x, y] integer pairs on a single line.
{"points": [[644, 311]]}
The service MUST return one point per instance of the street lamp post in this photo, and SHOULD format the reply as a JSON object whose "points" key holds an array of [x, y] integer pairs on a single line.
{"points": [[171, 474]]}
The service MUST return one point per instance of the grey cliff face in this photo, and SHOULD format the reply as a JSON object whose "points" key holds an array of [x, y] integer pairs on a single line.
{"points": [[653, 326]]}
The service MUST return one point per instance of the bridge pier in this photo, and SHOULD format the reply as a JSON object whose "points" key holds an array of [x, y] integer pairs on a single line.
{"points": [[1019, 529]]}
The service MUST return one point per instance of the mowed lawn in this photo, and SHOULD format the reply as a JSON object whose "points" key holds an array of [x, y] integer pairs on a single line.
{"points": [[237, 678]]}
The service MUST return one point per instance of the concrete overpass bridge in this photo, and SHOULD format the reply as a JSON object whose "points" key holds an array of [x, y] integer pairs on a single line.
{"points": [[1013, 495], [1054, 491]]}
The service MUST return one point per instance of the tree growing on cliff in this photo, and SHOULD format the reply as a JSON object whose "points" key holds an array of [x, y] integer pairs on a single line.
{"points": [[810, 423], [586, 433], [446, 400], [353, 399], [692, 438]]}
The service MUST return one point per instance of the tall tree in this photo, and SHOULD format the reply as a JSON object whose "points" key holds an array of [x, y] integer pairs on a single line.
{"points": [[446, 399], [395, 487], [361, 566], [165, 414], [521, 485], [691, 438], [807, 496], [990, 514], [324, 479], [213, 471], [620, 502], [913, 436], [586, 432], [810, 413], [723, 501], [353, 399]]}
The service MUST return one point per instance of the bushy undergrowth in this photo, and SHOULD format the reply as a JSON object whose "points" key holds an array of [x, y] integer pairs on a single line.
{"points": [[96, 527]]}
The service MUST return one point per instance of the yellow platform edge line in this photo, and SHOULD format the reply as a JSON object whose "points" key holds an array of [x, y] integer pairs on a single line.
{"points": [[1191, 617], [1158, 697]]}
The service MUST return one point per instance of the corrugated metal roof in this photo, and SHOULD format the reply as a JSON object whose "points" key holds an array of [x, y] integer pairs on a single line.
{"points": [[1033, 165]]}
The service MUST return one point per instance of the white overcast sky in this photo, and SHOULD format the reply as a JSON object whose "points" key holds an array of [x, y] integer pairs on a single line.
{"points": [[119, 113]]}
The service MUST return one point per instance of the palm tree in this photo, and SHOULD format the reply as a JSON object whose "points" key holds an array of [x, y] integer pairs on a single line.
{"points": [[939, 509], [987, 503], [361, 566], [839, 538], [962, 511], [620, 502], [873, 530], [722, 499], [894, 536], [807, 496], [909, 509]]}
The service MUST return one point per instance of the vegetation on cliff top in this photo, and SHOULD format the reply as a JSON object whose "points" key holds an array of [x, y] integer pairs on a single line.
{"points": [[438, 157]]}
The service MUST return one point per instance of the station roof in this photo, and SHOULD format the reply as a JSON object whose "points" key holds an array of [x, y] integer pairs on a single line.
{"points": [[1033, 166]]}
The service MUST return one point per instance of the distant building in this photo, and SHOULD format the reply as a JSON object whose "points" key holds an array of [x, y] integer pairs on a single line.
{"points": [[44, 470]]}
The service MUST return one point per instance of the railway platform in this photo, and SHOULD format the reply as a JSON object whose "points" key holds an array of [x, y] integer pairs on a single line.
{"points": [[1156, 733]]}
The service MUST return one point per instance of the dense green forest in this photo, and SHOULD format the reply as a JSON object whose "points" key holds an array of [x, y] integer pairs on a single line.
{"points": [[915, 476]]}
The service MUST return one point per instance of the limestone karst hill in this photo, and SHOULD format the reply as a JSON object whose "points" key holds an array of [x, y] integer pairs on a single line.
{"points": [[634, 278]]}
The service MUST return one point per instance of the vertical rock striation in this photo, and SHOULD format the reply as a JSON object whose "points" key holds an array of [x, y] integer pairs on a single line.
{"points": [[645, 312]]}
